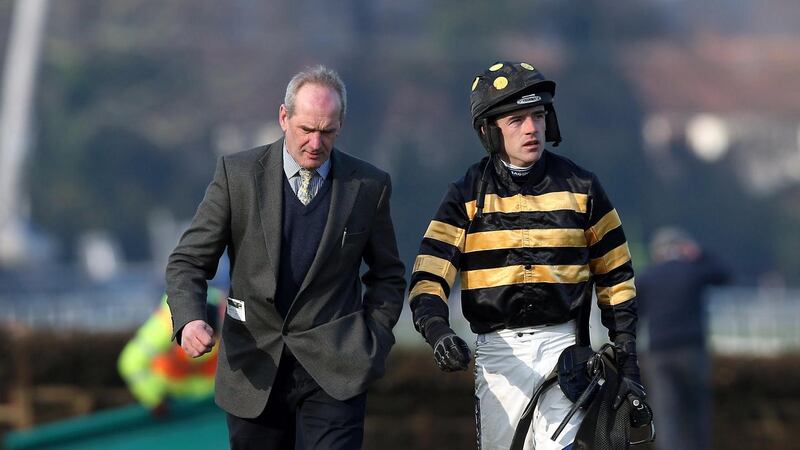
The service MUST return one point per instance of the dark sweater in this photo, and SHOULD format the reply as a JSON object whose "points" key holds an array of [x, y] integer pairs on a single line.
{"points": [[300, 236], [671, 296]]}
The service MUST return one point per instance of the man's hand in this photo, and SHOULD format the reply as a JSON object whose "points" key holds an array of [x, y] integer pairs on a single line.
{"points": [[630, 384], [197, 338], [634, 393], [628, 388], [450, 351]]}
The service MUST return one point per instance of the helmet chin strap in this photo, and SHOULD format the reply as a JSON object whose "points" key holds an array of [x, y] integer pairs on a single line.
{"points": [[479, 200], [492, 141]]}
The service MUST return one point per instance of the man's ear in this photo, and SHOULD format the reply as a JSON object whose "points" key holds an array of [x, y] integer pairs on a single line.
{"points": [[283, 116]]}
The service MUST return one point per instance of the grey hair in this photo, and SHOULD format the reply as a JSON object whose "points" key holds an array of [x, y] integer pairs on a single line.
{"points": [[319, 75]]}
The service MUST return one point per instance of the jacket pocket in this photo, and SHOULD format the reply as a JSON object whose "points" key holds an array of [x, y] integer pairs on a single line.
{"points": [[351, 238]]}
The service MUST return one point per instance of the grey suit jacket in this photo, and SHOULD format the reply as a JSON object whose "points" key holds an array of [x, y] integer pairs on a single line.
{"points": [[340, 336]]}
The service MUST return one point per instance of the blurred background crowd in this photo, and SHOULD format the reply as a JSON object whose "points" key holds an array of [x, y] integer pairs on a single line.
{"points": [[112, 114]]}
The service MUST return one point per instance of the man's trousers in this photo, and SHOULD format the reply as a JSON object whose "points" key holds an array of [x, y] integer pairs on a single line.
{"points": [[509, 366], [300, 415]]}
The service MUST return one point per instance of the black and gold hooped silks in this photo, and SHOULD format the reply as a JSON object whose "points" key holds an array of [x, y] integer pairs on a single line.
{"points": [[533, 255]]}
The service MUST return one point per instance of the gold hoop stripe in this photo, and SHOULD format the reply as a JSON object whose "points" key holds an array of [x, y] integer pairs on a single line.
{"points": [[427, 287], [614, 295], [553, 201], [444, 232], [609, 222], [611, 260], [436, 266], [504, 276], [492, 240]]}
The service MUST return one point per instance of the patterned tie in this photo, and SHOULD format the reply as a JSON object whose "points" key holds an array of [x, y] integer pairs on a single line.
{"points": [[304, 192]]}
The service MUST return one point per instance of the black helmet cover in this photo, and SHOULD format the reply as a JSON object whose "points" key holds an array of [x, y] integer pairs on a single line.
{"points": [[508, 86]]}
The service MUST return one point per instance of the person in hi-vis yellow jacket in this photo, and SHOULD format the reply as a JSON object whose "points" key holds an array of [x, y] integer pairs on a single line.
{"points": [[156, 370]]}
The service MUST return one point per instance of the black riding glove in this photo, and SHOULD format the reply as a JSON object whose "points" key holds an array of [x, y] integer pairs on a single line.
{"points": [[450, 351], [626, 357], [630, 385], [634, 393]]}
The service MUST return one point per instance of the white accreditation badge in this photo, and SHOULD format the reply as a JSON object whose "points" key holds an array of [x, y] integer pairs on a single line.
{"points": [[235, 309]]}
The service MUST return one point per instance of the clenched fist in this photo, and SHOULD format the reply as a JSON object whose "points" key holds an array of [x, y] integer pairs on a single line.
{"points": [[197, 338]]}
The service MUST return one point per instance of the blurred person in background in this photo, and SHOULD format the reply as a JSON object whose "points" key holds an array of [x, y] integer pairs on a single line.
{"points": [[300, 343], [677, 367], [531, 233], [157, 371]]}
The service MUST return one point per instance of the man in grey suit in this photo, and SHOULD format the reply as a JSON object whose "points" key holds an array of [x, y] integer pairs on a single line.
{"points": [[300, 343]]}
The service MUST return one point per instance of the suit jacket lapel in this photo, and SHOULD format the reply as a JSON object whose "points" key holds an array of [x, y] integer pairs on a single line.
{"points": [[269, 187], [343, 196]]}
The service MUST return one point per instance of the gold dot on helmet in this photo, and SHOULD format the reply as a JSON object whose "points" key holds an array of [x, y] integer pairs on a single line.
{"points": [[500, 83]]}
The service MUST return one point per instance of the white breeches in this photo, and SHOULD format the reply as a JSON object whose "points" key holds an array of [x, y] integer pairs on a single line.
{"points": [[510, 365]]}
